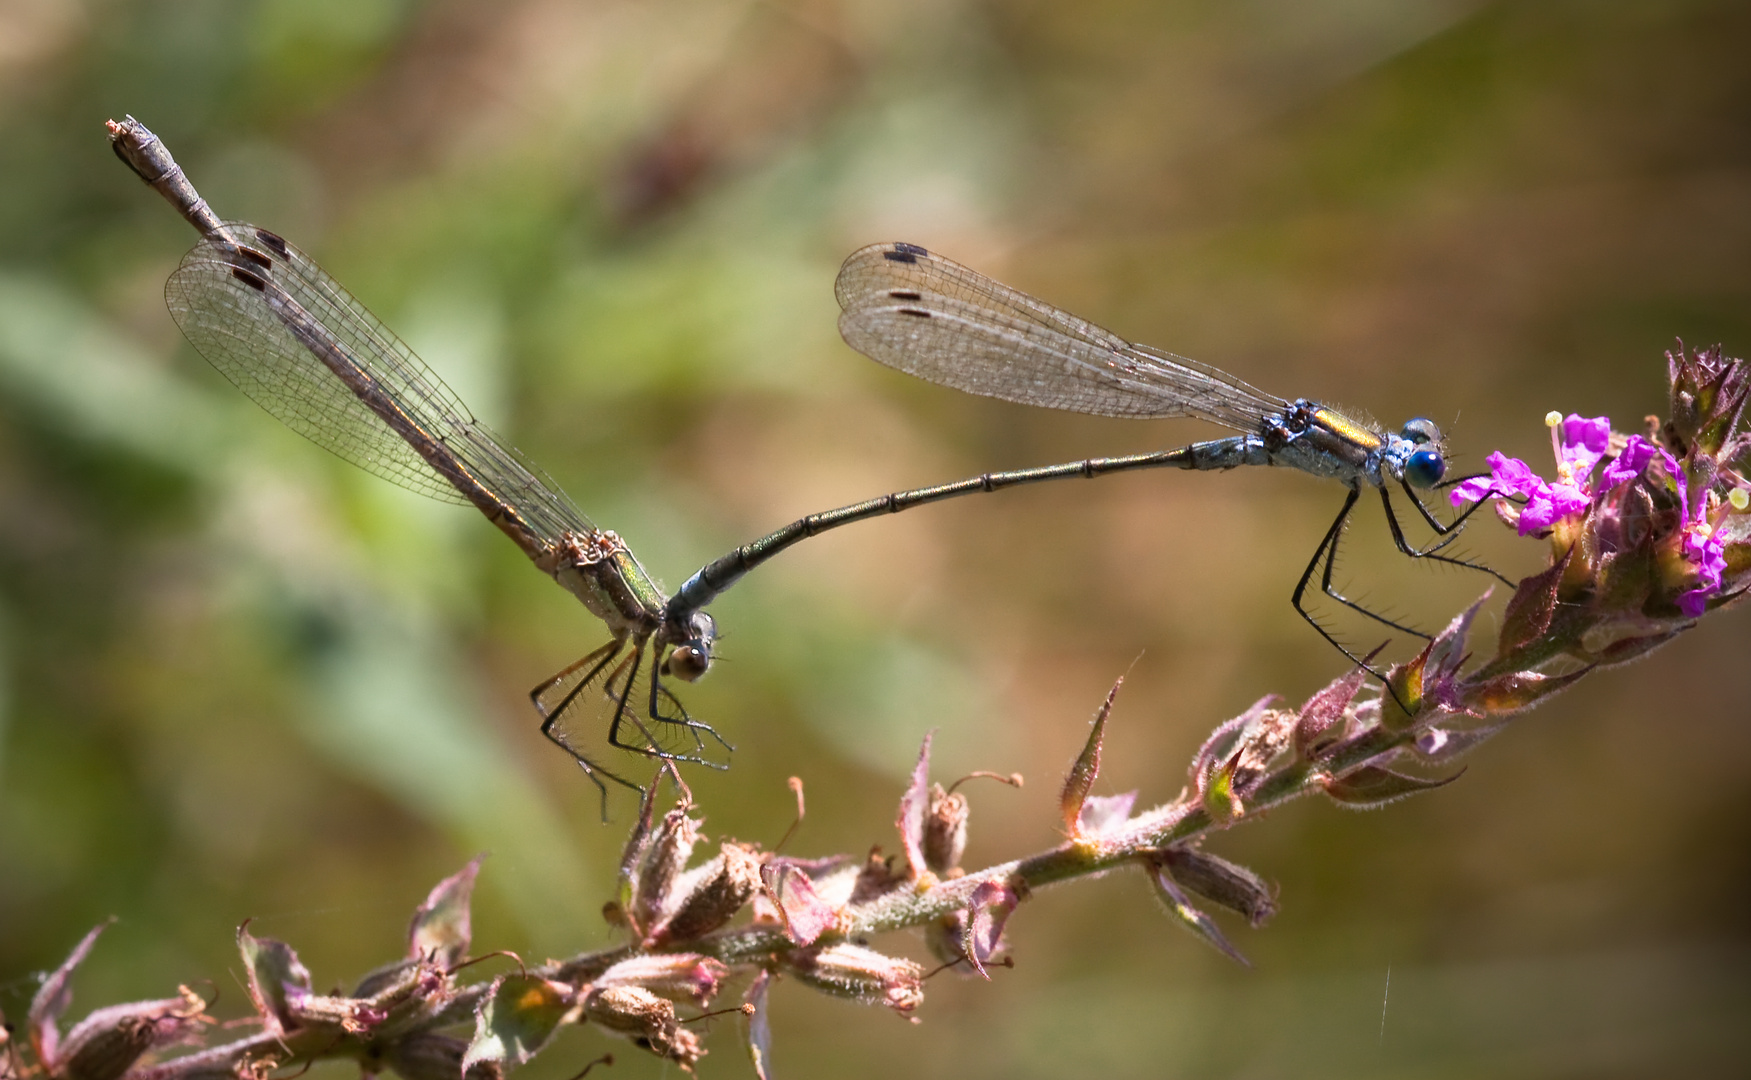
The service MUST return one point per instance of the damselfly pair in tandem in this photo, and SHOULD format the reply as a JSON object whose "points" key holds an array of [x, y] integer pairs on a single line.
{"points": [[302, 347]]}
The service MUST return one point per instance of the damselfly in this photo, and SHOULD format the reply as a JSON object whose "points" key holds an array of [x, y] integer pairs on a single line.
{"points": [[300, 345], [922, 314]]}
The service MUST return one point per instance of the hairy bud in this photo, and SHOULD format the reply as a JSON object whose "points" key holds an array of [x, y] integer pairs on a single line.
{"points": [[657, 867], [632, 1012], [945, 831], [675, 976], [861, 974], [711, 895], [106, 1044], [1220, 881]]}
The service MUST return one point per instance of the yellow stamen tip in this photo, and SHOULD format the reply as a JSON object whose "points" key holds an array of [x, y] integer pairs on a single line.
{"points": [[1740, 498], [1552, 418]]}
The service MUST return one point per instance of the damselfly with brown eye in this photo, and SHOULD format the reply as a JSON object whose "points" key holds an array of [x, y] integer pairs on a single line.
{"points": [[303, 348]]}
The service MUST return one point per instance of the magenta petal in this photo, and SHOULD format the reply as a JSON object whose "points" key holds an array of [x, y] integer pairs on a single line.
{"points": [[1584, 442], [1594, 434], [1711, 561], [1549, 504], [1538, 514], [1473, 490], [1508, 476], [1694, 602], [1513, 475], [1569, 499], [1631, 463]]}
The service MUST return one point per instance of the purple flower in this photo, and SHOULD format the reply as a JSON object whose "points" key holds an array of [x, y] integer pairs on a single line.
{"points": [[1703, 545], [1581, 444], [1545, 502]]}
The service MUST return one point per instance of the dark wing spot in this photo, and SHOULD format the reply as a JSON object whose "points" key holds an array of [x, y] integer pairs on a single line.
{"points": [[905, 294], [904, 253], [273, 243], [249, 278], [256, 257], [919, 312]]}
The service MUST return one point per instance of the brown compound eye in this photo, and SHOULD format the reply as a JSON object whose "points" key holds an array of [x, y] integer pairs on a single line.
{"points": [[688, 662]]}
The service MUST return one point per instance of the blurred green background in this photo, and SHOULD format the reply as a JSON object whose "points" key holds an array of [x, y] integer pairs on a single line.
{"points": [[240, 679]]}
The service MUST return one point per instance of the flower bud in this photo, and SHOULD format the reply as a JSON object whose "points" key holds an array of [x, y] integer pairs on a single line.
{"points": [[1265, 734], [1220, 743], [106, 1044], [675, 976], [1180, 907], [1079, 780], [862, 975], [945, 831], [1708, 395], [658, 866], [1220, 881], [711, 895], [632, 1012]]}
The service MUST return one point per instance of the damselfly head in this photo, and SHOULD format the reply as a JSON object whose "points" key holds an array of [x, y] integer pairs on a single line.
{"points": [[691, 659], [1424, 466]]}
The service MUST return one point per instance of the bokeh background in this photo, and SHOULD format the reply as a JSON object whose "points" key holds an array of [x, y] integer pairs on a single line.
{"points": [[239, 678]]}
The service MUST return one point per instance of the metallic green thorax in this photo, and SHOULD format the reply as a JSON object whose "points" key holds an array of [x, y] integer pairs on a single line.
{"points": [[599, 569]]}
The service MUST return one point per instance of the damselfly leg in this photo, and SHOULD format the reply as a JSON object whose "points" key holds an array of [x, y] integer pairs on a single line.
{"points": [[1326, 552], [554, 698], [619, 688]]}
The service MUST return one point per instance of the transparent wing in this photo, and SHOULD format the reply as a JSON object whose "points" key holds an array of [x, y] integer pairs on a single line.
{"points": [[928, 316], [273, 322]]}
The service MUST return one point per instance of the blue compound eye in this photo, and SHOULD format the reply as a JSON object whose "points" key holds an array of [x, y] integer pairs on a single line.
{"points": [[1424, 468]]}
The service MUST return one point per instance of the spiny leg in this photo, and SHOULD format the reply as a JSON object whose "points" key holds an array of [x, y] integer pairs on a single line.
{"points": [[1451, 532], [625, 713], [1326, 550], [630, 667], [1328, 547], [1321, 552], [1458, 523], [600, 659]]}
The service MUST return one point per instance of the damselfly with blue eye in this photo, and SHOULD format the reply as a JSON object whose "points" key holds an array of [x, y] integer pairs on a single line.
{"points": [[295, 341], [922, 314]]}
